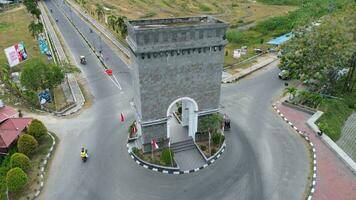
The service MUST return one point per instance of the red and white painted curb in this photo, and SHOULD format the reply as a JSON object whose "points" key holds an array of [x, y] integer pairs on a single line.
{"points": [[301, 133]]}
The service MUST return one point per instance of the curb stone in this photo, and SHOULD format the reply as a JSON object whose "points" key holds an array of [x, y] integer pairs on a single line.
{"points": [[43, 165], [301, 133], [171, 171]]}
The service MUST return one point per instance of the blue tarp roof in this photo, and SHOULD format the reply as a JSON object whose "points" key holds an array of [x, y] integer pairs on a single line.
{"points": [[281, 39]]}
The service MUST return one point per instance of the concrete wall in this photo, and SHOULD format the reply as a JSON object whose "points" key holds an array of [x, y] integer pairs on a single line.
{"points": [[171, 62]]}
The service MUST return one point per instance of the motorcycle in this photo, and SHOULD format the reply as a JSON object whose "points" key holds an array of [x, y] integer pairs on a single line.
{"points": [[84, 155]]}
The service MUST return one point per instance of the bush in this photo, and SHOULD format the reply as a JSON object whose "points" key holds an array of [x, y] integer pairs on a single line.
{"points": [[204, 8], [20, 160], [27, 144], [37, 129], [203, 147], [235, 36], [278, 25], [218, 138], [167, 156], [16, 179]]}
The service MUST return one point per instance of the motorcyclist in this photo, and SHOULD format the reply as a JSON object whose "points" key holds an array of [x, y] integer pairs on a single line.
{"points": [[83, 154]]}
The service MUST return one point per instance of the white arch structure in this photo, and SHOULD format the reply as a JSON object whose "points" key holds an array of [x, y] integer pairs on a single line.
{"points": [[189, 115]]}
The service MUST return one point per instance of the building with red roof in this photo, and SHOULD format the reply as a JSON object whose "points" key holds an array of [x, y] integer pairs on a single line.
{"points": [[7, 112], [10, 127]]}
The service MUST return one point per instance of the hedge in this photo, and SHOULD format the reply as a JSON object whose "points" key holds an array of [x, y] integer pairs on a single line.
{"points": [[37, 129], [27, 144], [16, 179], [20, 160]]}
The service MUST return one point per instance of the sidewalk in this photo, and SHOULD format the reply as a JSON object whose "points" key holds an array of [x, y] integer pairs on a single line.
{"points": [[261, 63], [71, 88], [334, 179]]}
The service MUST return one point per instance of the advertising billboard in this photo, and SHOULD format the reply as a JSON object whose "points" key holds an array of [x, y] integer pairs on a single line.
{"points": [[16, 54]]}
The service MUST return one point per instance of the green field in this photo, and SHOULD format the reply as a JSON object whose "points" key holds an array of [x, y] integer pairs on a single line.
{"points": [[13, 29]]}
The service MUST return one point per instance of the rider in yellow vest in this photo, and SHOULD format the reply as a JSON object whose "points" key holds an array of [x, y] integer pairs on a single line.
{"points": [[83, 153]]}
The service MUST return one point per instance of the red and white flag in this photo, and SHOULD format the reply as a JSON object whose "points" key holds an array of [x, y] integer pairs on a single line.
{"points": [[134, 129], [122, 119], [154, 144]]}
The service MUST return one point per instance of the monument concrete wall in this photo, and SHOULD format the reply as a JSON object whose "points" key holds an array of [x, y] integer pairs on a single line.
{"points": [[173, 58]]}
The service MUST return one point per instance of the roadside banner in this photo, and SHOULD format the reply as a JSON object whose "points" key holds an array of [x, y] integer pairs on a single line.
{"points": [[16, 54]]}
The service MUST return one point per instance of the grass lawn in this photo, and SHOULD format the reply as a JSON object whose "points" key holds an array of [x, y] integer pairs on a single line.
{"points": [[236, 13], [33, 175], [59, 98], [13, 29], [335, 114], [229, 10]]}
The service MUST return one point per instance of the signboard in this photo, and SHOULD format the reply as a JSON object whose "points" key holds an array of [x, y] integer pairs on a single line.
{"points": [[16, 54], [237, 53]]}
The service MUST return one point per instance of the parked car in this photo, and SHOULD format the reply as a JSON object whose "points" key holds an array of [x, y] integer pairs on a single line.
{"points": [[284, 75]]}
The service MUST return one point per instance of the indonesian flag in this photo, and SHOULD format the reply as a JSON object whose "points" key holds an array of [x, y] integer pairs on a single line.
{"points": [[134, 129], [154, 144], [122, 119]]}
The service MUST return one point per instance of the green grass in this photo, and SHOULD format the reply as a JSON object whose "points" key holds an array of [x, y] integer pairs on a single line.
{"points": [[335, 114], [59, 98]]}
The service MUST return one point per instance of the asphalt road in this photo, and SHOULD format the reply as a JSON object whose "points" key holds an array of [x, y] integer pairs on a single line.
{"points": [[264, 158]]}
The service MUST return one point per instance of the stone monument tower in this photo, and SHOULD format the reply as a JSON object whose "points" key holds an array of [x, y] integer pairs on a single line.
{"points": [[175, 59]]}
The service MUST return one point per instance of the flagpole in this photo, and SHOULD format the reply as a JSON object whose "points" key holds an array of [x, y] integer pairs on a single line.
{"points": [[209, 141]]}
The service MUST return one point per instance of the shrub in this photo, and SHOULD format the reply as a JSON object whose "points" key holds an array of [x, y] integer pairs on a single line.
{"points": [[137, 152], [20, 160], [218, 138], [235, 36], [203, 147], [37, 129], [16, 179], [27, 144], [167, 156], [204, 7]]}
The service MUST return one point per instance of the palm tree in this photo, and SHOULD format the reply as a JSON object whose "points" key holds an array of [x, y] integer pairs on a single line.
{"points": [[35, 28], [111, 21], [120, 23], [292, 92], [100, 11]]}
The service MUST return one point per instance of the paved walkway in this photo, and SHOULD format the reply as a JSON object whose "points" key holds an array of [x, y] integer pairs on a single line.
{"points": [[189, 159], [334, 179], [347, 140], [177, 132]]}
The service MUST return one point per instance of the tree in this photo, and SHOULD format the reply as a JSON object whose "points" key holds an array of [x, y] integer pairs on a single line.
{"points": [[16, 179], [37, 129], [38, 75], [120, 23], [292, 91], [100, 11], [212, 121], [318, 54], [27, 144], [36, 12], [35, 28], [112, 21], [20, 160]]}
